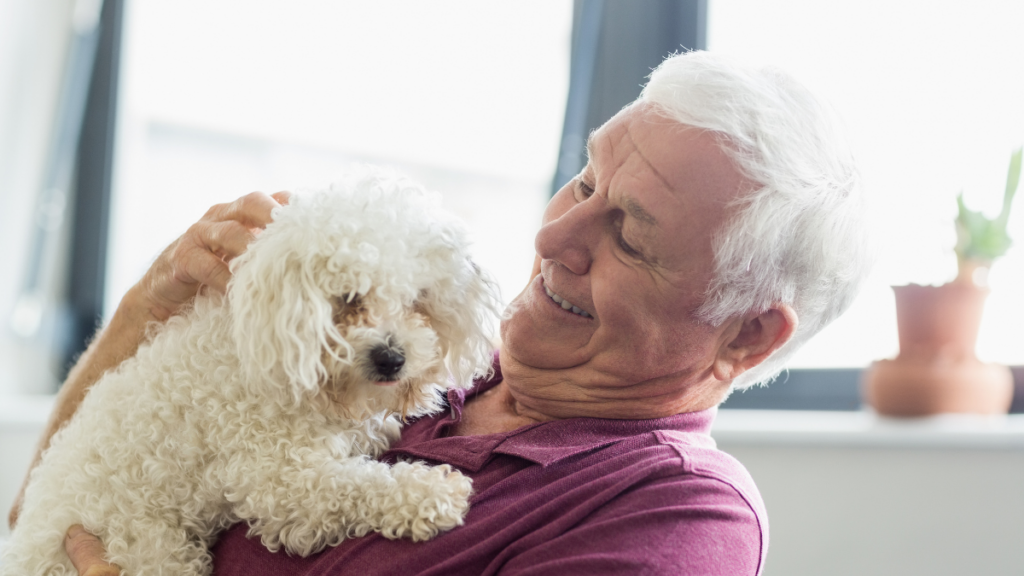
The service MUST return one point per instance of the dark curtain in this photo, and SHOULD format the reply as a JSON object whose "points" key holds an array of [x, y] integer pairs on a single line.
{"points": [[92, 183], [615, 45]]}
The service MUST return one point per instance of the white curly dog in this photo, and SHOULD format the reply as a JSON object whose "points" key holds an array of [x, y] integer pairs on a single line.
{"points": [[355, 308]]}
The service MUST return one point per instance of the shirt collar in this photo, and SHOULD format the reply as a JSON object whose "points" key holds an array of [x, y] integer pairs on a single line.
{"points": [[549, 442]]}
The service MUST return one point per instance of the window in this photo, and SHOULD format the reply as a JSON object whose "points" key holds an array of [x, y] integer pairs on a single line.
{"points": [[220, 99], [934, 103]]}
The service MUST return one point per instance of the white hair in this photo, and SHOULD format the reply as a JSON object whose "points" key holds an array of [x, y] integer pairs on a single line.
{"points": [[799, 237]]}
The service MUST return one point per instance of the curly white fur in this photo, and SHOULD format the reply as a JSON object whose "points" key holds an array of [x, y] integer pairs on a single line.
{"points": [[267, 406]]}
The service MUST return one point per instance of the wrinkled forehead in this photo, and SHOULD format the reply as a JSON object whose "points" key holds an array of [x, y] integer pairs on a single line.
{"points": [[685, 159]]}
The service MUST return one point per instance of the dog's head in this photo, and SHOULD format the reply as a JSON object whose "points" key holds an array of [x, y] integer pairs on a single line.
{"points": [[364, 295]]}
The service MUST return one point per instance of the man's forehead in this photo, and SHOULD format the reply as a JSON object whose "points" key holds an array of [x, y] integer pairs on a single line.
{"points": [[630, 200], [684, 158]]}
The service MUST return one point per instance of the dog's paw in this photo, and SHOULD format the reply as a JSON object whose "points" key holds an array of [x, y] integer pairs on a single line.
{"points": [[433, 499]]}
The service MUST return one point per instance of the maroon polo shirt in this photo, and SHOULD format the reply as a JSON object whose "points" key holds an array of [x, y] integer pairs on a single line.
{"points": [[583, 496]]}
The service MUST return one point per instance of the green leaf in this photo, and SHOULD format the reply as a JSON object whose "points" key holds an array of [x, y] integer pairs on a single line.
{"points": [[979, 238], [1012, 180]]}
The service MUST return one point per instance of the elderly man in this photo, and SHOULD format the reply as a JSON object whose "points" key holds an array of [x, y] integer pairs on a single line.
{"points": [[717, 225]]}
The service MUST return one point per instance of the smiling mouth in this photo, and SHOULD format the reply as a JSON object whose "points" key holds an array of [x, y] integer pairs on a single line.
{"points": [[565, 304]]}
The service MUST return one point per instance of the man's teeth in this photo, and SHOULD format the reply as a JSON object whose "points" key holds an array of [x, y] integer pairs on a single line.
{"points": [[565, 304]]}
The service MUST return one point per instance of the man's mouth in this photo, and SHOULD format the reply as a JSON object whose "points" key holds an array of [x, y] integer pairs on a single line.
{"points": [[565, 304]]}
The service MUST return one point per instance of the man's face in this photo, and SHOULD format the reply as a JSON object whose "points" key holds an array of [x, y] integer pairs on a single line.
{"points": [[628, 243]]}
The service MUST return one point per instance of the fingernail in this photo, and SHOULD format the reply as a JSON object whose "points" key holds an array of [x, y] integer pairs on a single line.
{"points": [[75, 530]]}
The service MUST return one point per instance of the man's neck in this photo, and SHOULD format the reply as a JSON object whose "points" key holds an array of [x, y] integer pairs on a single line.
{"points": [[495, 411]]}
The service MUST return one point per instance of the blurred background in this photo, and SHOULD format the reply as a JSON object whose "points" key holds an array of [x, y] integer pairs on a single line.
{"points": [[122, 121]]}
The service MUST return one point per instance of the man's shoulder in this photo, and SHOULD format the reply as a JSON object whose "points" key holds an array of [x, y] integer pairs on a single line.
{"points": [[660, 487], [682, 461], [699, 455], [722, 473]]}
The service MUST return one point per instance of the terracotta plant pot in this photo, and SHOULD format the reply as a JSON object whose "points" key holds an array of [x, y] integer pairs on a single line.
{"points": [[936, 370]]}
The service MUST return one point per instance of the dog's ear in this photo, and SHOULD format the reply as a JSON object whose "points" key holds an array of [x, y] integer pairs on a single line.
{"points": [[282, 316], [464, 315]]}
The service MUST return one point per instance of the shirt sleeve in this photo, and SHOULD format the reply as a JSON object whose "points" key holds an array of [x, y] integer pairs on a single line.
{"points": [[688, 525]]}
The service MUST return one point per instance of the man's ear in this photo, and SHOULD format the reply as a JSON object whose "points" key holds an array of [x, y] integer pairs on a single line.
{"points": [[750, 340]]}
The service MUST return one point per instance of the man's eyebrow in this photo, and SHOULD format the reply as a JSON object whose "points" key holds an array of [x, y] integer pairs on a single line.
{"points": [[637, 211]]}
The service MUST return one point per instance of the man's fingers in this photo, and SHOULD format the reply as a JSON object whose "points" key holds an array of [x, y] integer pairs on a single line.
{"points": [[203, 267], [87, 553], [252, 210], [282, 197], [225, 239], [200, 256], [184, 269]]}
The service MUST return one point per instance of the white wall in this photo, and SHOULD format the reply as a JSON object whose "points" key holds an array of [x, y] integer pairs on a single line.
{"points": [[915, 498]]}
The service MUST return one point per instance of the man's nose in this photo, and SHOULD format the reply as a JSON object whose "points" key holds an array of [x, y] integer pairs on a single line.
{"points": [[569, 238]]}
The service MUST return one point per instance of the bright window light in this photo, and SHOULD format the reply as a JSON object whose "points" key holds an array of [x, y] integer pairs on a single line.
{"points": [[933, 97], [223, 98]]}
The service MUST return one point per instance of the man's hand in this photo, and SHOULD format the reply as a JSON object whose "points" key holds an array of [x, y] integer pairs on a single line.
{"points": [[201, 256], [86, 553]]}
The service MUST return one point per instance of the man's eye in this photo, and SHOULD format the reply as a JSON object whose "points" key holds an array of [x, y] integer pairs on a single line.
{"points": [[620, 239], [627, 248], [583, 191]]}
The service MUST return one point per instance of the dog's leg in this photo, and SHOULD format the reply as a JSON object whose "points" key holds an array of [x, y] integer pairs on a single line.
{"points": [[317, 505], [429, 499]]}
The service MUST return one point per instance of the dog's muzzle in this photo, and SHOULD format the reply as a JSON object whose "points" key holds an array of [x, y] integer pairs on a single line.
{"points": [[387, 361]]}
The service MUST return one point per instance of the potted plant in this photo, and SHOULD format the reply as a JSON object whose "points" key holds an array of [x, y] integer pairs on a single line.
{"points": [[936, 370]]}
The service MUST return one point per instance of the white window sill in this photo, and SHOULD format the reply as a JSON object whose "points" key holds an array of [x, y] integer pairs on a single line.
{"points": [[867, 429]]}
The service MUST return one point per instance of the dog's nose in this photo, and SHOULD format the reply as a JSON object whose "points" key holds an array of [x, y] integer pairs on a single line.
{"points": [[387, 360]]}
